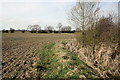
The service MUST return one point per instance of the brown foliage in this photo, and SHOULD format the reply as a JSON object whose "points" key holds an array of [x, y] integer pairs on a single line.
{"points": [[105, 31]]}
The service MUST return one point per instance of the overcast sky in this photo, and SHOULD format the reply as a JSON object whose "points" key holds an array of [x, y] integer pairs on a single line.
{"points": [[20, 14]]}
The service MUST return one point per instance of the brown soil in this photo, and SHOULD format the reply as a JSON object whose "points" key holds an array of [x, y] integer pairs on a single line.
{"points": [[18, 50]]}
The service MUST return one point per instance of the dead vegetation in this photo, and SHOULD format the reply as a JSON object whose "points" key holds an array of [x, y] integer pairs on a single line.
{"points": [[105, 60]]}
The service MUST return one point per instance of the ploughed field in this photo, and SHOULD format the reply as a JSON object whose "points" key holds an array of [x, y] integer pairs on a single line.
{"points": [[18, 50]]}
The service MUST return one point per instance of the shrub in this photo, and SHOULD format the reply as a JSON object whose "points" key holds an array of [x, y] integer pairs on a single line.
{"points": [[33, 31], [105, 31], [12, 30], [5, 31], [42, 31], [23, 31]]}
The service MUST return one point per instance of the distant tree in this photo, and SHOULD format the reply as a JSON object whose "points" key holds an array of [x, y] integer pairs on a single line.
{"points": [[12, 30], [23, 31], [66, 29], [60, 26], [5, 31], [49, 29], [34, 28], [78, 29]]}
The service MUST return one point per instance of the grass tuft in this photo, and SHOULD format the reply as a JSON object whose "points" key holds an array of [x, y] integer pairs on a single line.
{"points": [[55, 61]]}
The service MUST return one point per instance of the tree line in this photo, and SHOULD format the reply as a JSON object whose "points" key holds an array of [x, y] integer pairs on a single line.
{"points": [[48, 29]]}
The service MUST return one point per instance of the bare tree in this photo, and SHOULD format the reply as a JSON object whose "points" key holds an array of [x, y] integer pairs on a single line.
{"points": [[66, 28], [83, 15], [12, 30], [49, 29], [35, 28], [60, 26]]}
